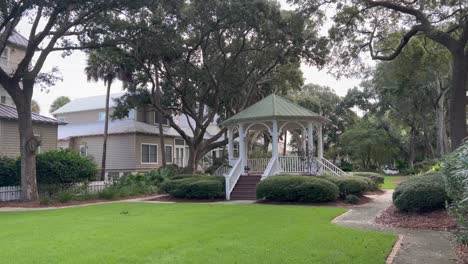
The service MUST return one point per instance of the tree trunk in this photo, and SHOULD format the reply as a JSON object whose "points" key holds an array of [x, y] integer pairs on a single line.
{"points": [[106, 129], [160, 123], [193, 159], [412, 152], [458, 98], [285, 142], [28, 143], [442, 140]]}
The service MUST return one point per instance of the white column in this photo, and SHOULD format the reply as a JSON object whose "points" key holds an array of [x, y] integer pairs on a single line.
{"points": [[303, 142], [310, 138], [242, 150], [275, 139], [320, 142], [230, 145]]}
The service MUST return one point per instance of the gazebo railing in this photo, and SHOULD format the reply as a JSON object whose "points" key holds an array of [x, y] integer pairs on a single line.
{"points": [[258, 165], [232, 178], [271, 169], [293, 164]]}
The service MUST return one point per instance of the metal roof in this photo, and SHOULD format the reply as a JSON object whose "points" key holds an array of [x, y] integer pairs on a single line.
{"points": [[273, 107], [87, 104], [9, 112], [17, 39]]}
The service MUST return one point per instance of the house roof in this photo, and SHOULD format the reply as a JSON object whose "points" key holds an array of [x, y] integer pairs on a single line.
{"points": [[124, 126], [87, 104], [273, 107], [17, 39], [9, 112]]}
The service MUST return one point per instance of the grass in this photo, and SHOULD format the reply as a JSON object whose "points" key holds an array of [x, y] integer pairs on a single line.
{"points": [[388, 182], [187, 233]]}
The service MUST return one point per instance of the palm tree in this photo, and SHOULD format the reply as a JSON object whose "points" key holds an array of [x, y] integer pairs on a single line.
{"points": [[105, 65], [58, 102]]}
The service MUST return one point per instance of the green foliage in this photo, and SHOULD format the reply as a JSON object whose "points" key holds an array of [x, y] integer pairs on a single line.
{"points": [[346, 166], [195, 187], [65, 196], [350, 185], [9, 172], [371, 145], [375, 177], [59, 102], [455, 169], [64, 167], [421, 193], [352, 199], [297, 189]]}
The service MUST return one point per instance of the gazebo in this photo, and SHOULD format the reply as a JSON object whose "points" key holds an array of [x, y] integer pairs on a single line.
{"points": [[274, 115]]}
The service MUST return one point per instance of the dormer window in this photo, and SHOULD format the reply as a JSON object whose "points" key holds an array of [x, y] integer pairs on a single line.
{"points": [[102, 116], [165, 121]]}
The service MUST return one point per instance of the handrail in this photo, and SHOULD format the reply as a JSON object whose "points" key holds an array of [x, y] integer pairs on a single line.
{"points": [[331, 167], [222, 170], [271, 169], [232, 178]]}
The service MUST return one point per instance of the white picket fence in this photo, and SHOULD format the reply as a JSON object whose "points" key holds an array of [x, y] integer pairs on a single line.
{"points": [[11, 193]]}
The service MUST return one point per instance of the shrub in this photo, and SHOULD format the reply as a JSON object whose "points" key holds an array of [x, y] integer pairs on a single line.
{"points": [[195, 187], [375, 177], [297, 189], [352, 199], [421, 193], [64, 167], [65, 196], [9, 172], [351, 185], [455, 169]]}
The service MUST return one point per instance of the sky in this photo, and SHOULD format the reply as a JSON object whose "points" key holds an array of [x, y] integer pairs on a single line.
{"points": [[75, 84]]}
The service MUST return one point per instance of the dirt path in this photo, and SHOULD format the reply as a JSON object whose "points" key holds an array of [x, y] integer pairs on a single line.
{"points": [[417, 246]]}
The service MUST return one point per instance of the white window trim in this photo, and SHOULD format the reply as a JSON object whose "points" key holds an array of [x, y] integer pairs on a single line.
{"points": [[172, 152], [141, 153], [86, 148]]}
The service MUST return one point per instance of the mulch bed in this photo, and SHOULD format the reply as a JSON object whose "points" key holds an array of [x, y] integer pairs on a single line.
{"points": [[462, 253], [169, 198], [37, 204], [436, 220]]}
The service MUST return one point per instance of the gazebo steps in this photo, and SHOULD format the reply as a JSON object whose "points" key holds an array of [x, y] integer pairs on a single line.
{"points": [[245, 188]]}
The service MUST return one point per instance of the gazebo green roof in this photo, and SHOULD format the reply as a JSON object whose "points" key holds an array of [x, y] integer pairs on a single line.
{"points": [[274, 107]]}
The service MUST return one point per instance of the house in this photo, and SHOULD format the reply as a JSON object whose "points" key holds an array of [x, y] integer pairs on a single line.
{"points": [[133, 143], [44, 128]]}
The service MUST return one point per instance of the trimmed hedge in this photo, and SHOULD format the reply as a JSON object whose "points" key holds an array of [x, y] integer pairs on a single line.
{"points": [[375, 177], [9, 172], [421, 193], [195, 187], [351, 185], [297, 189]]}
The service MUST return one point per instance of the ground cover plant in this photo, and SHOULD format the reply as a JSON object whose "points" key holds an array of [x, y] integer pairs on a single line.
{"points": [[389, 182], [187, 233]]}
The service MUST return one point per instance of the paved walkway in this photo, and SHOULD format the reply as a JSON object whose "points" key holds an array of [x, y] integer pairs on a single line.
{"points": [[417, 246]]}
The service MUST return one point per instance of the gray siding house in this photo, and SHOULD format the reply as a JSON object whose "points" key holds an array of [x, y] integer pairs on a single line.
{"points": [[133, 143]]}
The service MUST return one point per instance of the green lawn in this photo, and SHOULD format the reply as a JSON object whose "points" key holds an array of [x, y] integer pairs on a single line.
{"points": [[388, 182], [186, 233]]}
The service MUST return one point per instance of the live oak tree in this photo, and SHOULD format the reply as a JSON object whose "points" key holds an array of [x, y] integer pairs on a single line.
{"points": [[61, 25], [362, 26], [221, 57]]}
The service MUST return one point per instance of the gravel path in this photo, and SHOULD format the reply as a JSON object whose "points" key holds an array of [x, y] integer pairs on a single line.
{"points": [[417, 246]]}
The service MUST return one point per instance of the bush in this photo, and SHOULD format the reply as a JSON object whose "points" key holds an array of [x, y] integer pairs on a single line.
{"points": [[353, 185], [346, 166], [9, 172], [375, 177], [352, 199], [65, 196], [195, 187], [421, 193], [297, 189], [64, 167], [455, 169]]}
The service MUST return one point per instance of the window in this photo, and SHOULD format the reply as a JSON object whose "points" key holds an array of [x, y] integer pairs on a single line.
{"points": [[179, 141], [149, 153], [168, 153], [165, 121], [61, 119], [5, 54], [2, 99], [132, 114], [102, 116], [83, 150]]}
